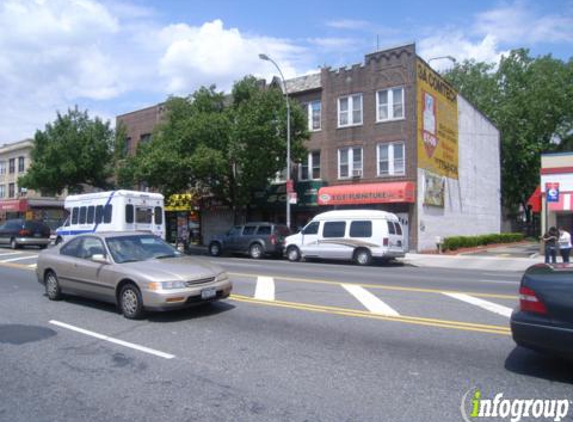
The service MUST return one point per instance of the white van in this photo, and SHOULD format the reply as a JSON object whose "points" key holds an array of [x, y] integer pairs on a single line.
{"points": [[120, 210], [358, 235]]}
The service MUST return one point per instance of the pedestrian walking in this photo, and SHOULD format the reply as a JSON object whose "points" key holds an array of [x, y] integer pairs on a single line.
{"points": [[551, 243], [564, 244]]}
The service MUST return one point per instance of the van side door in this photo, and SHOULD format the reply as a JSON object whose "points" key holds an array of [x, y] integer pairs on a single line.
{"points": [[309, 242], [334, 244], [395, 238]]}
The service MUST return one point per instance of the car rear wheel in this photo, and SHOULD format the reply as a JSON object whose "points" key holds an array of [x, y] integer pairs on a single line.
{"points": [[293, 254], [130, 302], [13, 243], [53, 290], [362, 257], [256, 251], [215, 249]]}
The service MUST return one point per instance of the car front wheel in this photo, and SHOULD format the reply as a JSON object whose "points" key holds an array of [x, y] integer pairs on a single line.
{"points": [[293, 254], [130, 302], [53, 290]]}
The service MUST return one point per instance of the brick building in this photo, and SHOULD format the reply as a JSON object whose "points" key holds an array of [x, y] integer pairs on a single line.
{"points": [[16, 202], [386, 134]]}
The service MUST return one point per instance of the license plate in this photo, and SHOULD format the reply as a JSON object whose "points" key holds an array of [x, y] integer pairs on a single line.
{"points": [[208, 293], [37, 234]]}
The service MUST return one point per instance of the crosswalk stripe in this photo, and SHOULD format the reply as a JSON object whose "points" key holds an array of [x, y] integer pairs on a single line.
{"points": [[370, 302], [265, 289], [484, 304], [20, 258]]}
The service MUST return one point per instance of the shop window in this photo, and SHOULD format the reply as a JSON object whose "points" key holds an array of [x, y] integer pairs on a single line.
{"points": [[334, 229]]}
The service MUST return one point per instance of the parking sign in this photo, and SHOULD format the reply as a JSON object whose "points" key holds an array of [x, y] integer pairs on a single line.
{"points": [[552, 191]]}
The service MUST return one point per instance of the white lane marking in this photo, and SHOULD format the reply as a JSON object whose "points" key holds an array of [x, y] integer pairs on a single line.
{"points": [[20, 258], [113, 340], [265, 288], [370, 302], [10, 253], [498, 281], [238, 264], [484, 304]]}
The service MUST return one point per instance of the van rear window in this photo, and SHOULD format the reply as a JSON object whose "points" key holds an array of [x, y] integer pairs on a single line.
{"points": [[398, 228], [334, 229], [158, 212], [361, 229], [391, 228]]}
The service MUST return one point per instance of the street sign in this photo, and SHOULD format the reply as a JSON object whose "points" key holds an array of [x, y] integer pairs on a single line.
{"points": [[292, 198], [289, 186], [552, 191]]}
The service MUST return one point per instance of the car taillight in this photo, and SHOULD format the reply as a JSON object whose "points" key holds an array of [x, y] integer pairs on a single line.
{"points": [[385, 241], [273, 239], [529, 302], [24, 232]]}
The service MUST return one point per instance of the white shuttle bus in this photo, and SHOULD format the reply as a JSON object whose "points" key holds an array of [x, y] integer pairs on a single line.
{"points": [[120, 210]]}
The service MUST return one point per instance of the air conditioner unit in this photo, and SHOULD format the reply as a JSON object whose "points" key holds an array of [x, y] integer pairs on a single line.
{"points": [[356, 173]]}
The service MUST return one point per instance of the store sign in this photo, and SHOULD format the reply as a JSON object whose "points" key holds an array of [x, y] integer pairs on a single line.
{"points": [[437, 123], [552, 190]]}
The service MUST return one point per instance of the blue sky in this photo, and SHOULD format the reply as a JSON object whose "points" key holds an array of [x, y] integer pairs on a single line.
{"points": [[112, 57]]}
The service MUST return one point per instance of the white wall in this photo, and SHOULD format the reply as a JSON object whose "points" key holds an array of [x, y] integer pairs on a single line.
{"points": [[471, 203]]}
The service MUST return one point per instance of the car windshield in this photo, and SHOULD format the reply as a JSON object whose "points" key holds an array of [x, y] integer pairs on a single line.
{"points": [[140, 248]]}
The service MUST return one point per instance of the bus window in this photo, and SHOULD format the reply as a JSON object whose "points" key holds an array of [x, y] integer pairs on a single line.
{"points": [[99, 214], [75, 215], [107, 213], [129, 213], [158, 211], [83, 212], [143, 215], [91, 212]]}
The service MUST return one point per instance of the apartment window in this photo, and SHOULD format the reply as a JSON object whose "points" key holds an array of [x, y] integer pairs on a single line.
{"points": [[127, 146], [350, 110], [314, 110], [2, 191], [12, 165], [390, 104], [20, 164], [391, 159], [11, 190], [145, 138], [349, 162], [310, 168], [2, 167]]}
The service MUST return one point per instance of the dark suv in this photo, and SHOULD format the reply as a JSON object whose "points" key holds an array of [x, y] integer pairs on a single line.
{"points": [[19, 232], [255, 239]]}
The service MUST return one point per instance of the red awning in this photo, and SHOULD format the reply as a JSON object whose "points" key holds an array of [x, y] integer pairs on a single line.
{"points": [[14, 205], [565, 202], [368, 193], [535, 200]]}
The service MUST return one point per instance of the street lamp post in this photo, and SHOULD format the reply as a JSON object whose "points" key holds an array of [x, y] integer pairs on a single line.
{"points": [[288, 182]]}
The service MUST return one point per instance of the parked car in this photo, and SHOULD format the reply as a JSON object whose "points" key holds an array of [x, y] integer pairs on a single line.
{"points": [[20, 232], [135, 271], [358, 235], [544, 319], [255, 239]]}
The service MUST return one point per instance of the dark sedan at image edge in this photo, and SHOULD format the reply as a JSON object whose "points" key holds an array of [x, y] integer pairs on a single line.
{"points": [[544, 320]]}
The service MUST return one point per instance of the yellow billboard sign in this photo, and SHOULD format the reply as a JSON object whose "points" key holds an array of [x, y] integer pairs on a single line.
{"points": [[437, 107]]}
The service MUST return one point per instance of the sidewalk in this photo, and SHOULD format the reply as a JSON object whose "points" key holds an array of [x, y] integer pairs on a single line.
{"points": [[471, 262]]}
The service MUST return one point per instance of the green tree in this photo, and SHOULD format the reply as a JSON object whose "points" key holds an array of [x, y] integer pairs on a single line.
{"points": [[71, 152], [231, 145], [530, 100]]}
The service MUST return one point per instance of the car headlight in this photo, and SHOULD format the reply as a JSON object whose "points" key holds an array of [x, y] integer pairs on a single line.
{"points": [[171, 285], [222, 277]]}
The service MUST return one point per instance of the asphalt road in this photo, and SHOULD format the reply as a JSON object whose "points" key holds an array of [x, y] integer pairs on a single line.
{"points": [[296, 342]]}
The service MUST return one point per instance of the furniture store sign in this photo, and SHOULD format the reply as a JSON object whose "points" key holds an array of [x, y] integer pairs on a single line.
{"points": [[437, 106]]}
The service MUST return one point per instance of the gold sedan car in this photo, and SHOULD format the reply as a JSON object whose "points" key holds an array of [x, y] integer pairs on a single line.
{"points": [[136, 271]]}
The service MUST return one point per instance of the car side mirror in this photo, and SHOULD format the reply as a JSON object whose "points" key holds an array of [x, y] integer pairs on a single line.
{"points": [[99, 258]]}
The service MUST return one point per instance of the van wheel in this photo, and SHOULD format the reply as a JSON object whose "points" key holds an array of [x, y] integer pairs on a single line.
{"points": [[362, 257], [256, 251], [215, 249], [293, 254]]}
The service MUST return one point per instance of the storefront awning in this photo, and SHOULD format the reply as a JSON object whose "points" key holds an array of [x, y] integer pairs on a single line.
{"points": [[368, 193], [535, 200], [565, 202], [14, 205]]}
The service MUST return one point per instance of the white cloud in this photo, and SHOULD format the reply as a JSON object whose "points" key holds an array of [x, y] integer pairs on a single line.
{"points": [[519, 22], [351, 24]]}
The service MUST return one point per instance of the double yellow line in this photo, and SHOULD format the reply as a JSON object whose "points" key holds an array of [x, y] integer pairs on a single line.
{"points": [[429, 322]]}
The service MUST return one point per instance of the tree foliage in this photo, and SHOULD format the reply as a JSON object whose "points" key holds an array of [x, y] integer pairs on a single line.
{"points": [[231, 145], [69, 153], [530, 100]]}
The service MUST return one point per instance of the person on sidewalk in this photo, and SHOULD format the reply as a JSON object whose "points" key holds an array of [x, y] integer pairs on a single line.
{"points": [[550, 239], [564, 244]]}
